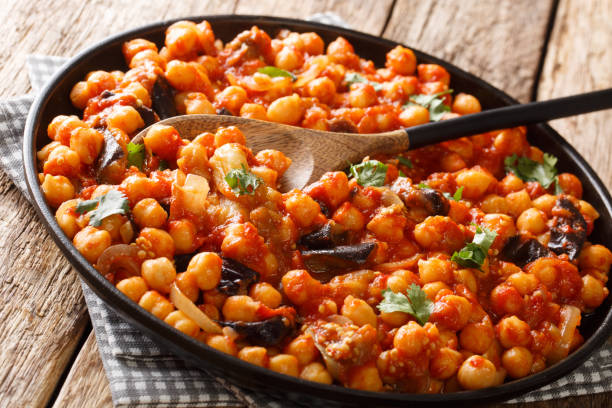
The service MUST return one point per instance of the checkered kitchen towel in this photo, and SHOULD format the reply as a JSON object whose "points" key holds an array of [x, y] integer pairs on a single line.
{"points": [[141, 373]]}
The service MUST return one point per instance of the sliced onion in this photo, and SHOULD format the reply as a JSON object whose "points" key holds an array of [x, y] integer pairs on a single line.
{"points": [[119, 256], [186, 306], [192, 194], [257, 82], [311, 73], [570, 318]]}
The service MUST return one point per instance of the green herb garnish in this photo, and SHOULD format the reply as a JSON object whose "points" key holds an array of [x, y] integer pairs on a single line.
{"points": [[526, 169], [415, 304], [163, 165], [457, 196], [242, 181], [353, 78], [136, 155], [401, 174], [369, 173], [113, 202], [473, 254], [277, 72], [433, 103], [405, 161], [422, 185]]}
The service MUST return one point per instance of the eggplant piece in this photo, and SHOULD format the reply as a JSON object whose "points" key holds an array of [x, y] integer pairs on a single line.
{"points": [[340, 257], [433, 201], [148, 116], [269, 332], [568, 231], [111, 153], [324, 208], [162, 98], [106, 94], [224, 111], [342, 126], [236, 277], [182, 261], [327, 236], [523, 251]]}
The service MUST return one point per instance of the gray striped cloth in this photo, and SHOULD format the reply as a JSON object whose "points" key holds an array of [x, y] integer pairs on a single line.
{"points": [[141, 373]]}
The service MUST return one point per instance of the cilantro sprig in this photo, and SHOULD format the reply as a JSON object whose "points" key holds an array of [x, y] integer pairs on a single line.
{"points": [[526, 169], [405, 161], [474, 253], [434, 103], [457, 196], [276, 72], [415, 304], [369, 173], [136, 155], [353, 78], [113, 202], [242, 181]]}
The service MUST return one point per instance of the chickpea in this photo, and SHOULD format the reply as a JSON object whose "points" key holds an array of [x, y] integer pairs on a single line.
{"points": [[394, 319], [545, 203], [182, 323], [159, 273], [266, 294], [241, 308], [287, 109], [149, 213], [518, 202], [512, 331], [439, 232], [222, 343], [187, 284], [183, 233], [162, 140], [80, 94], [414, 115], [232, 98], [445, 363], [157, 241], [433, 288], [358, 311], [476, 372], [284, 364], [525, 283], [273, 159], [517, 361], [464, 104], [494, 204], [156, 304], [510, 184], [362, 95], [597, 257], [289, 58], [321, 88], [475, 182], [254, 355], [466, 277], [67, 218], [532, 221], [303, 348], [133, 47], [206, 268], [302, 208], [197, 103], [62, 161], [401, 60], [87, 143], [434, 269], [230, 134], [365, 378], [253, 111], [349, 217], [139, 91], [313, 44], [57, 189], [570, 184], [593, 292], [126, 118], [188, 76], [477, 337], [410, 339], [316, 372], [91, 242], [134, 287]]}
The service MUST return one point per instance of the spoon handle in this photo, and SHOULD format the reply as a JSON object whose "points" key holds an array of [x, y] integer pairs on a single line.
{"points": [[509, 116]]}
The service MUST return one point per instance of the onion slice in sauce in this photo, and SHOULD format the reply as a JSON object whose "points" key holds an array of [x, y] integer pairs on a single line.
{"points": [[570, 319], [186, 306], [119, 256]]}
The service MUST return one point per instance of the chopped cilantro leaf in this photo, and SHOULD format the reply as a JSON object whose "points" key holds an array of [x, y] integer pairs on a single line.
{"points": [[474, 253], [369, 173], [434, 103], [163, 165], [457, 196], [353, 78], [113, 202], [401, 174], [277, 72], [416, 303], [405, 161], [136, 155], [242, 181], [526, 169], [422, 185]]}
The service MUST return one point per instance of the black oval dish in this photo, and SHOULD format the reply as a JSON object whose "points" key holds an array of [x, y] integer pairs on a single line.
{"points": [[54, 100]]}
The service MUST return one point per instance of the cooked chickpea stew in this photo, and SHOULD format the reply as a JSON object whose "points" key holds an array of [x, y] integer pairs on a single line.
{"points": [[457, 266]]}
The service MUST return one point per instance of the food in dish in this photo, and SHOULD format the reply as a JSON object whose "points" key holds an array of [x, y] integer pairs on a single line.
{"points": [[455, 266]]}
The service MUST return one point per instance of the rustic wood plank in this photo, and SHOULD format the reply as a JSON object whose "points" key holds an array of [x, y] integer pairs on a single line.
{"points": [[363, 15], [86, 384], [42, 312], [578, 60], [500, 41]]}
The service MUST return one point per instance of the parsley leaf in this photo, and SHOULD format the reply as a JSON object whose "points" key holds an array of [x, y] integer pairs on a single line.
{"points": [[353, 78], [526, 169], [242, 181], [136, 155], [416, 303], [163, 165], [113, 202], [457, 196], [436, 106], [401, 174], [369, 173], [422, 185], [276, 72], [405, 161], [473, 254]]}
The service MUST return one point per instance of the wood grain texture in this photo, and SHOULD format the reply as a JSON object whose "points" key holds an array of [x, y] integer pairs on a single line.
{"points": [[500, 41], [578, 60], [363, 15], [86, 384]]}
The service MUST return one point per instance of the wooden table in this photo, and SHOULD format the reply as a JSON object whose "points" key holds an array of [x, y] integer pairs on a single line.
{"points": [[532, 49]]}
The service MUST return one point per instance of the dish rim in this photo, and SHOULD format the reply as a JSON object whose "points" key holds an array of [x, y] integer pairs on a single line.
{"points": [[189, 348]]}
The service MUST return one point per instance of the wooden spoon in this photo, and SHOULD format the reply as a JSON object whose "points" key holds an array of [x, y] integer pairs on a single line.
{"points": [[314, 152]]}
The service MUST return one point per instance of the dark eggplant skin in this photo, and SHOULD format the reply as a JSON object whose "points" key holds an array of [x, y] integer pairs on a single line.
{"points": [[338, 258], [266, 333], [522, 251], [324, 237], [162, 98], [111, 152], [148, 116], [568, 231], [224, 111], [433, 201], [181, 261], [236, 277]]}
